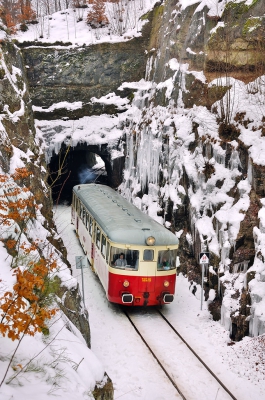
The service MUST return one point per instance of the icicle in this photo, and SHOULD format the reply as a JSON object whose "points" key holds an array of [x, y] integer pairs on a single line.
{"points": [[234, 162], [250, 171], [236, 268], [225, 317], [148, 68], [208, 150], [219, 156], [245, 266], [148, 156]]}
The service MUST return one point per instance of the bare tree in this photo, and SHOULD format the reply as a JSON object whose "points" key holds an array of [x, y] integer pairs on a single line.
{"points": [[122, 15]]}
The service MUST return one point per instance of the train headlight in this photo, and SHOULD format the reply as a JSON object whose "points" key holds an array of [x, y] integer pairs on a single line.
{"points": [[126, 283], [166, 284], [150, 241]]}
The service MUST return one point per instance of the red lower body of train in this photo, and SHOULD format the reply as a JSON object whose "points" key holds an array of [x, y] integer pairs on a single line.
{"points": [[142, 291]]}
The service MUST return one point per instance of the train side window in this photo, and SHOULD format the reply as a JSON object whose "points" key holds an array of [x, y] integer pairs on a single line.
{"points": [[84, 215], [148, 255], [80, 210], [107, 253], [87, 220], [166, 260], [98, 233], [103, 246], [90, 226]]}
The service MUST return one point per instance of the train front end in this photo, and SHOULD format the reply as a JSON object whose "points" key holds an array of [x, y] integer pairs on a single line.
{"points": [[142, 276]]}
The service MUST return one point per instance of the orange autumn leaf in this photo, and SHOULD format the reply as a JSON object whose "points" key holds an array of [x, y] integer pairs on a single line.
{"points": [[23, 309], [11, 243]]}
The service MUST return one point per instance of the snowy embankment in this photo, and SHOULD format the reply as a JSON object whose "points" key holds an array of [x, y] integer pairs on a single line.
{"points": [[45, 359], [69, 27], [215, 215], [57, 361]]}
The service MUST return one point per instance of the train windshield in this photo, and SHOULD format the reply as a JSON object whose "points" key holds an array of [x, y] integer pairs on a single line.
{"points": [[166, 260], [124, 258]]}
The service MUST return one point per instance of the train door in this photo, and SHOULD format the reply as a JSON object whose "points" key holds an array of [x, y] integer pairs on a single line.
{"points": [[92, 230], [91, 233], [73, 209], [104, 261], [78, 214], [148, 272], [99, 261], [91, 250], [77, 223]]}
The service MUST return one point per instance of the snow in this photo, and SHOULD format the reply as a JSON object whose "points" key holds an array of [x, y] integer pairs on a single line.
{"points": [[132, 369], [188, 50], [215, 7], [59, 364], [112, 98], [16, 159], [63, 104], [115, 346], [69, 26], [95, 129], [142, 85], [55, 368]]}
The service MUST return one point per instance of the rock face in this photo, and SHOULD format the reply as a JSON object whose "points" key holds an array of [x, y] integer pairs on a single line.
{"points": [[198, 131], [106, 392], [193, 36], [18, 123], [18, 146], [79, 74], [238, 47], [70, 304]]}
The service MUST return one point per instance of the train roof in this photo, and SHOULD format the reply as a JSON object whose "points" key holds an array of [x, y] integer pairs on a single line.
{"points": [[121, 220]]}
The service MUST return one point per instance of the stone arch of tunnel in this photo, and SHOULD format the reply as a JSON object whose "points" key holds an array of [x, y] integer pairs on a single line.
{"points": [[75, 165]]}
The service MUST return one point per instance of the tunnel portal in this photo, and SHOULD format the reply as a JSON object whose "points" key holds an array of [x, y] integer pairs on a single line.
{"points": [[82, 164]]}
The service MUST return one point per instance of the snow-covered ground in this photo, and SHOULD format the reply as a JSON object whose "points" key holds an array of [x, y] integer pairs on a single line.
{"points": [[70, 26], [135, 374], [44, 365]]}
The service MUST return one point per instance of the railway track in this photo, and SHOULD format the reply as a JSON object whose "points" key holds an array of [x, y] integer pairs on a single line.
{"points": [[184, 368]]}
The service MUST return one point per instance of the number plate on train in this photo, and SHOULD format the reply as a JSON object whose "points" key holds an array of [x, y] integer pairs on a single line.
{"points": [[146, 279]]}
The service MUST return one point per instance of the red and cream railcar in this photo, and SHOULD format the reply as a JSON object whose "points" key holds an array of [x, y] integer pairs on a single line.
{"points": [[133, 255]]}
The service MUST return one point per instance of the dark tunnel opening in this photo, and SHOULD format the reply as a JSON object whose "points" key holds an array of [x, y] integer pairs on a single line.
{"points": [[72, 167], [82, 164]]}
